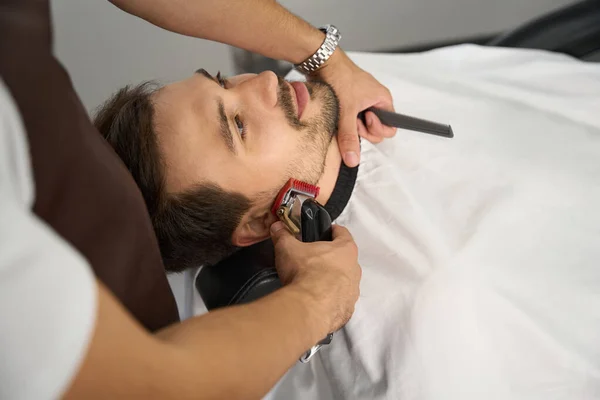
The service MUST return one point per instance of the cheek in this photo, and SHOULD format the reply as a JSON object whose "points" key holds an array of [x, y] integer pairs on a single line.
{"points": [[271, 155], [274, 138], [255, 176]]}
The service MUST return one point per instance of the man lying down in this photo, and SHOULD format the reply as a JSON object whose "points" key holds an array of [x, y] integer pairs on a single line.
{"points": [[480, 255]]}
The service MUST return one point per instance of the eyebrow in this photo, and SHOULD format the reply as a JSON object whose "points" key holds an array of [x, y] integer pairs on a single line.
{"points": [[224, 130], [205, 73]]}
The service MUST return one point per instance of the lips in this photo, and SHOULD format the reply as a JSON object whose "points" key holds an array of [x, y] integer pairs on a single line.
{"points": [[302, 96]]}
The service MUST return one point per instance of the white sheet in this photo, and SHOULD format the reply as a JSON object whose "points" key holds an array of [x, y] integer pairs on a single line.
{"points": [[481, 254]]}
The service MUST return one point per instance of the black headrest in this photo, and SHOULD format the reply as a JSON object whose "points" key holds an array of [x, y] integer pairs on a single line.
{"points": [[240, 278], [573, 30]]}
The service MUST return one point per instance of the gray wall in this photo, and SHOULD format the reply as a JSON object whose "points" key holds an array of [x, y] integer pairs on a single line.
{"points": [[104, 48]]}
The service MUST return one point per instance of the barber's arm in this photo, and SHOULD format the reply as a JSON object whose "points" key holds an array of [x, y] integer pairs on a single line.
{"points": [[233, 353], [265, 27]]}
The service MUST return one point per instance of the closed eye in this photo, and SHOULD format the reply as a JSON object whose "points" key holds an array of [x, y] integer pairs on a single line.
{"points": [[240, 127], [239, 124]]}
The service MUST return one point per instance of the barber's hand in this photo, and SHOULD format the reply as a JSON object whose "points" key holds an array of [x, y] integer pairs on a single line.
{"points": [[357, 91], [327, 273]]}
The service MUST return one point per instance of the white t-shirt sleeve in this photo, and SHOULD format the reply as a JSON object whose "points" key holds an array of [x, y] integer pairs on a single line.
{"points": [[47, 290]]}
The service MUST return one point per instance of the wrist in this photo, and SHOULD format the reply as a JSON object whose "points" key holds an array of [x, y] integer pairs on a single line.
{"points": [[323, 53], [312, 42], [339, 63], [312, 310], [337, 60]]}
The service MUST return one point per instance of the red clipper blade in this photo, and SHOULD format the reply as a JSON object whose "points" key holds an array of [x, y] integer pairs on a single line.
{"points": [[291, 188]]}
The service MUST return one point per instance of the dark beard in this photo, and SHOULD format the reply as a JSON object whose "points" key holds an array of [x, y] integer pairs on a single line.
{"points": [[318, 131], [327, 122]]}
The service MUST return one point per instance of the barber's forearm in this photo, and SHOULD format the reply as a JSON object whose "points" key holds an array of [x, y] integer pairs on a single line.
{"points": [[248, 348], [234, 353], [261, 26]]}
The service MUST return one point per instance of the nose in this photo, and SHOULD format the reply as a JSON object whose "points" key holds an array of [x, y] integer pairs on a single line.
{"points": [[263, 89]]}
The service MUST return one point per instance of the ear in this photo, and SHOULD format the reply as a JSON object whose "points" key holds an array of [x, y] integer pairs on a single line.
{"points": [[253, 228]]}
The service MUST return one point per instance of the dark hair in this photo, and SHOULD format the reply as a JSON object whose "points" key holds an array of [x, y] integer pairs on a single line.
{"points": [[194, 227]]}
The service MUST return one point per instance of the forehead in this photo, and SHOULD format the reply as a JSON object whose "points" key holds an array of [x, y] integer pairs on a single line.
{"points": [[186, 122], [194, 94]]}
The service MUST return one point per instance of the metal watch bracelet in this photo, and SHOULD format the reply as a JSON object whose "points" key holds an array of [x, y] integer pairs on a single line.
{"points": [[323, 53]]}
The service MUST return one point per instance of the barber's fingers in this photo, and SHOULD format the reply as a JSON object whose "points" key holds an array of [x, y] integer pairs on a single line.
{"points": [[376, 128], [364, 133], [339, 232], [348, 139], [281, 236], [343, 236]]}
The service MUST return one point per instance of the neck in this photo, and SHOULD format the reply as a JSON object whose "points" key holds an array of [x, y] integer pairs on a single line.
{"points": [[330, 175]]}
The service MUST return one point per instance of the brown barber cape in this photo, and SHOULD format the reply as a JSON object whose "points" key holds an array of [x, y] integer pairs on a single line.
{"points": [[82, 189]]}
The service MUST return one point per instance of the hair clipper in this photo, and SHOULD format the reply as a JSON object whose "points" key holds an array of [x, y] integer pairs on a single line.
{"points": [[308, 220]]}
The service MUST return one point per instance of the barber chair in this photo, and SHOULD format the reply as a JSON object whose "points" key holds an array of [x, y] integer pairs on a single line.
{"points": [[572, 30]]}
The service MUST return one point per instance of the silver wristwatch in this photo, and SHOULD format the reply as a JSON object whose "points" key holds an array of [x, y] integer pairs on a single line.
{"points": [[316, 61]]}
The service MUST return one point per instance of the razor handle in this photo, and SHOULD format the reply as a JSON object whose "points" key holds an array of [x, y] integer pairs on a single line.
{"points": [[315, 226]]}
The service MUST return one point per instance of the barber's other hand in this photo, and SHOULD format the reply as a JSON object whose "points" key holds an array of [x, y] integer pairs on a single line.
{"points": [[326, 273], [357, 90]]}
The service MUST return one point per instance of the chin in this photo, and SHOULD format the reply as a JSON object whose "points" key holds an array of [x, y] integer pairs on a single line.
{"points": [[324, 97]]}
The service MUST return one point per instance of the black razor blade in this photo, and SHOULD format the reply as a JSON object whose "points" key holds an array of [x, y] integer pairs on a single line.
{"points": [[411, 123]]}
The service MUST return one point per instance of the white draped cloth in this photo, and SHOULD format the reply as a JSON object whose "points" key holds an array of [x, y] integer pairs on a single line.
{"points": [[480, 254]]}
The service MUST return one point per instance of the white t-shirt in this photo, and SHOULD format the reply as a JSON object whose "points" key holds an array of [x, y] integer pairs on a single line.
{"points": [[47, 289]]}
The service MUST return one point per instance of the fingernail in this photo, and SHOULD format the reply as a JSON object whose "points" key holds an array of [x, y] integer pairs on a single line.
{"points": [[277, 226], [351, 159], [370, 120]]}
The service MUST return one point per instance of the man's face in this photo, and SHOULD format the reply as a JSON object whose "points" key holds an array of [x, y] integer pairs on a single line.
{"points": [[249, 134]]}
